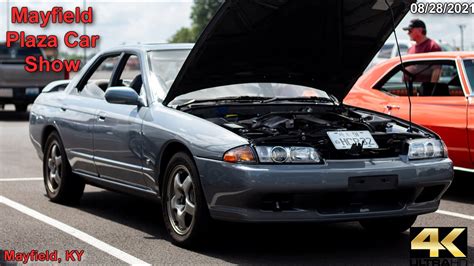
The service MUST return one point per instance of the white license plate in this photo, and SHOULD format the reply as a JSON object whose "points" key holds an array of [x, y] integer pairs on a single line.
{"points": [[31, 91], [343, 140], [6, 93]]}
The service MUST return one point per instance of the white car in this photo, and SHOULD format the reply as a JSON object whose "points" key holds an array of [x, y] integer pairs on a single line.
{"points": [[389, 50]]}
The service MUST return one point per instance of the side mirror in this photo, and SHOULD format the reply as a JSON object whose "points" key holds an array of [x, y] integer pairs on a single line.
{"points": [[122, 95]]}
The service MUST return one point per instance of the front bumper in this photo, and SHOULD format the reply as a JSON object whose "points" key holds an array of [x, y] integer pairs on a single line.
{"points": [[285, 193]]}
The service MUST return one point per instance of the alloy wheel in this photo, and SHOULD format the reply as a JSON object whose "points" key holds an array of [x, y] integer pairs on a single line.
{"points": [[181, 200], [53, 179]]}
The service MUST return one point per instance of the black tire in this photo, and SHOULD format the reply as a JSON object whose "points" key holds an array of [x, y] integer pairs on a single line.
{"points": [[198, 225], [21, 107], [62, 186], [393, 225]]}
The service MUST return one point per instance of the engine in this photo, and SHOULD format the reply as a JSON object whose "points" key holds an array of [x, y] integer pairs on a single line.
{"points": [[309, 126]]}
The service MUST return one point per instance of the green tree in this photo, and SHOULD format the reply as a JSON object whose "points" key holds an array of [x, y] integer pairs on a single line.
{"points": [[201, 13], [183, 35]]}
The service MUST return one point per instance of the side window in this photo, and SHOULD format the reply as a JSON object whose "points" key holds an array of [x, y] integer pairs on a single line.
{"points": [[386, 51], [427, 79], [469, 66], [97, 83], [131, 75]]}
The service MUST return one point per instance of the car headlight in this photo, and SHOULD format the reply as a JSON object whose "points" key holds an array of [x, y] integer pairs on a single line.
{"points": [[242, 154], [426, 149], [280, 154]]}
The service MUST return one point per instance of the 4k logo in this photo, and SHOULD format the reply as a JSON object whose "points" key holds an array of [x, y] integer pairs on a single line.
{"points": [[441, 242]]}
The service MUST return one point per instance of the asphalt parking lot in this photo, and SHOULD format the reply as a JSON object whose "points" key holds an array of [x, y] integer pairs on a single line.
{"points": [[113, 228]]}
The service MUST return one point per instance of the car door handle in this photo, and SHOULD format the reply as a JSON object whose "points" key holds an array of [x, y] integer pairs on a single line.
{"points": [[101, 117], [63, 108], [391, 107]]}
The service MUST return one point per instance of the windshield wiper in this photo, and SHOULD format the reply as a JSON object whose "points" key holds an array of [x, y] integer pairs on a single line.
{"points": [[257, 99], [300, 99], [225, 99]]}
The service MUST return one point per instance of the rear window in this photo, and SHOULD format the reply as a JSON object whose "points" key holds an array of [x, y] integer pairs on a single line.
{"points": [[17, 53]]}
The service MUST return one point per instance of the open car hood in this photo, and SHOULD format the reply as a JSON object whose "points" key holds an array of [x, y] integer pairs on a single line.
{"points": [[324, 44]]}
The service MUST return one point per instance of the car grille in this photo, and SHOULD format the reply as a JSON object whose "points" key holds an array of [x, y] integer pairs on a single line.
{"points": [[340, 202]]}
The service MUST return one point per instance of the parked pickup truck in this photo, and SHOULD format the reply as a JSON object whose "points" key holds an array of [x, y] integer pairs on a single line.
{"points": [[17, 86]]}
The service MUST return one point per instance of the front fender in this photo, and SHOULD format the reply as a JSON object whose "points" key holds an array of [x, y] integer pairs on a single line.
{"points": [[203, 138]]}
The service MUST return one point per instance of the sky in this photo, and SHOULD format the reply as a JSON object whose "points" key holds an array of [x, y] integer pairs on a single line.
{"points": [[444, 27], [119, 21]]}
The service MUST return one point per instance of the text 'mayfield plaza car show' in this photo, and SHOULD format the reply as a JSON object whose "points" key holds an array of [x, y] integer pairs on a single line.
{"points": [[198, 132]]}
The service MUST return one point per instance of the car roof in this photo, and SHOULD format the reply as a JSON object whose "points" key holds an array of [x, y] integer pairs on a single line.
{"points": [[150, 47], [435, 55]]}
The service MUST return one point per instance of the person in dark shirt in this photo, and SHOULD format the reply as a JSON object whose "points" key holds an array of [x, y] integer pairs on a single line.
{"points": [[417, 32]]}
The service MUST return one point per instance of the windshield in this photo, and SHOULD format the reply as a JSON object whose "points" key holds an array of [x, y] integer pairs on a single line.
{"points": [[166, 64], [469, 65], [264, 90]]}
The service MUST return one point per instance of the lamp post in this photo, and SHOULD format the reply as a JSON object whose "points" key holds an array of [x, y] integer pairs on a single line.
{"points": [[8, 15], [461, 28], [85, 33]]}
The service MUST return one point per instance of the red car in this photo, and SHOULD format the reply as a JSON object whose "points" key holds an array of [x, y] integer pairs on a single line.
{"points": [[442, 97]]}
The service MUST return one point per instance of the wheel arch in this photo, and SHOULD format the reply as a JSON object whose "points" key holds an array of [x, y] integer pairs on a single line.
{"points": [[169, 149], [47, 130]]}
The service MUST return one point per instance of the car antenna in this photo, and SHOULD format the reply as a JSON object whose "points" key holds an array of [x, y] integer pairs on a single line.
{"points": [[407, 86]]}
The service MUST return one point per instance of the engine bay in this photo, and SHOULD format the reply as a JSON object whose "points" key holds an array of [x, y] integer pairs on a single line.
{"points": [[308, 125]]}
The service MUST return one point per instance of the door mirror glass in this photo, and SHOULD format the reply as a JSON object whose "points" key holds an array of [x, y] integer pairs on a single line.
{"points": [[122, 95]]}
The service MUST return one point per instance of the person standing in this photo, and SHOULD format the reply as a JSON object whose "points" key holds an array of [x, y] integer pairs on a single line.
{"points": [[429, 77]]}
